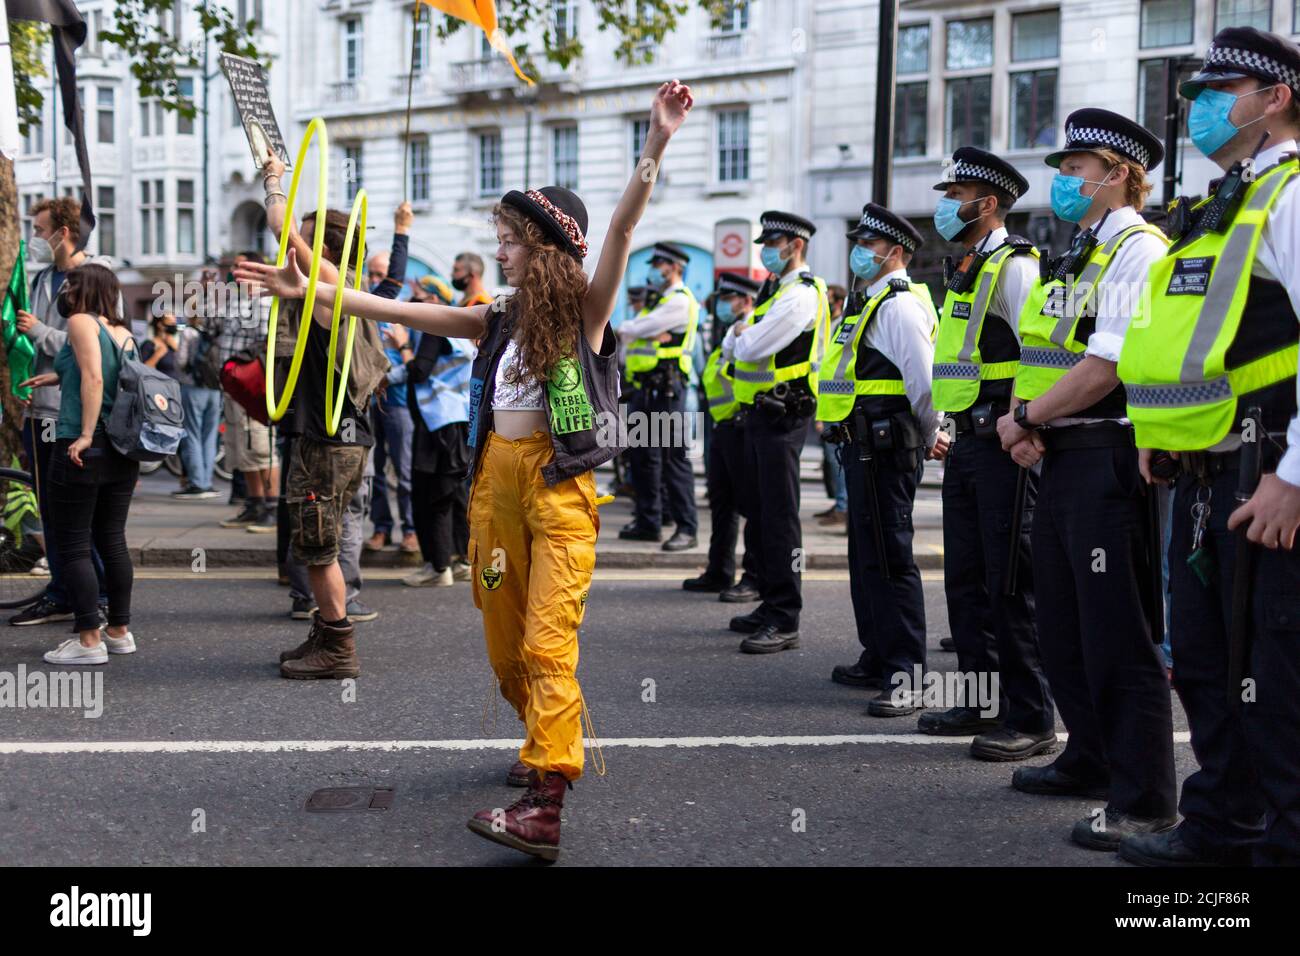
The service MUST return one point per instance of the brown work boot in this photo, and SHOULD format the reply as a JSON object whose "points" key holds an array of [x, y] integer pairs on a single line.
{"points": [[333, 657], [313, 638], [377, 541], [532, 823], [517, 776]]}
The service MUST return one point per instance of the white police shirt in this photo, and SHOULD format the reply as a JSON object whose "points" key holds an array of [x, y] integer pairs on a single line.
{"points": [[902, 331], [671, 315], [788, 318], [1015, 281]]}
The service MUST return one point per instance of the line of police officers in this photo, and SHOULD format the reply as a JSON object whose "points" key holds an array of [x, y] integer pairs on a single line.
{"points": [[1071, 387]]}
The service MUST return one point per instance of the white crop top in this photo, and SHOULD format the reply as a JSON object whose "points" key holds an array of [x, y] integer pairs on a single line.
{"points": [[524, 395]]}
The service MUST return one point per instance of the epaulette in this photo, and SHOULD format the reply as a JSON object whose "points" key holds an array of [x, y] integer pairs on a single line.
{"points": [[899, 285], [807, 278], [1018, 244]]}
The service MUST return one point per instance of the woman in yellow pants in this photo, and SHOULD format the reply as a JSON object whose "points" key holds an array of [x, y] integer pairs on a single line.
{"points": [[543, 403]]}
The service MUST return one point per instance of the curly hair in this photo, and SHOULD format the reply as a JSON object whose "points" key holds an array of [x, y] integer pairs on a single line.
{"points": [[547, 302], [1137, 187]]}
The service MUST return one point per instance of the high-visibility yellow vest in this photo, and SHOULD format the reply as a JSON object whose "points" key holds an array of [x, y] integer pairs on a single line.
{"points": [[644, 355], [1185, 390], [841, 381], [1050, 318], [959, 367], [754, 377], [719, 390]]}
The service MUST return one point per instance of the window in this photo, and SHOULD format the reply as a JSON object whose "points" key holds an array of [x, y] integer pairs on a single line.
{"points": [[352, 64], [734, 17], [1033, 109], [1243, 13], [484, 46], [1036, 36], [489, 164], [564, 156], [420, 53], [185, 89], [236, 120], [914, 49], [966, 117], [81, 102], [94, 24], [29, 200], [418, 189], [104, 114], [250, 10], [34, 140], [151, 118], [152, 227], [1166, 23], [910, 118], [106, 221], [640, 130], [970, 44], [564, 19], [733, 146], [352, 170], [1151, 95], [185, 216]]}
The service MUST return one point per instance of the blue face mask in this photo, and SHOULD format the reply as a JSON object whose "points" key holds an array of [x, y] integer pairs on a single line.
{"points": [[656, 279], [722, 311], [1068, 201], [864, 263], [772, 260], [947, 219], [1207, 120]]}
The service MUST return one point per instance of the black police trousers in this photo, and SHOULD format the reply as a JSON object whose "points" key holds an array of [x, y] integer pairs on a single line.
{"points": [[771, 509], [1247, 790], [890, 613], [1093, 596], [994, 632], [725, 481], [656, 467]]}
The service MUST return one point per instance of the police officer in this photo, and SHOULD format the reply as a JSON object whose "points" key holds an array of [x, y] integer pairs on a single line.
{"points": [[1212, 377], [873, 383], [1092, 547], [991, 615], [733, 302], [771, 359], [659, 345]]}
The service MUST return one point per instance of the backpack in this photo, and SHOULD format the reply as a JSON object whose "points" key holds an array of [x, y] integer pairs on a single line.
{"points": [[243, 377], [147, 420], [203, 366]]}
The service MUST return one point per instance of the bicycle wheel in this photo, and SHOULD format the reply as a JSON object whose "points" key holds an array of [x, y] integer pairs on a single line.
{"points": [[21, 540], [149, 467], [173, 464]]}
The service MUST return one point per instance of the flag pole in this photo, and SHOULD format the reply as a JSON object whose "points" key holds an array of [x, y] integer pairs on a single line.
{"points": [[410, 82]]}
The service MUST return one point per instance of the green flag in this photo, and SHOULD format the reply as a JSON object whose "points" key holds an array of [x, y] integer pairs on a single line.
{"points": [[22, 357]]}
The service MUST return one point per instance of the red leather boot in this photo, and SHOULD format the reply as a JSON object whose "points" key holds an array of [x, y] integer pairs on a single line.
{"points": [[532, 823]]}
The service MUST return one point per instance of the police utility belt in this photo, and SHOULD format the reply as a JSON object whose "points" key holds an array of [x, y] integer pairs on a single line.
{"points": [[1204, 466], [980, 421], [897, 435], [665, 381]]}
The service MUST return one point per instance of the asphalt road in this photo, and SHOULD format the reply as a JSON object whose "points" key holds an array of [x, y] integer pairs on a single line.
{"points": [[673, 794]]}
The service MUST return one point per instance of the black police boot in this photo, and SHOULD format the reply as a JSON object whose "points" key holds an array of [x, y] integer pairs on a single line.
{"points": [[632, 531], [750, 623], [680, 541], [955, 722], [742, 592], [1007, 744], [768, 640], [1052, 782], [1108, 829], [705, 584], [1170, 848], [894, 703], [852, 675]]}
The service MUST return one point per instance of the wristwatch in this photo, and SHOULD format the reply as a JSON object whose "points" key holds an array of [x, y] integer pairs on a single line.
{"points": [[1022, 417]]}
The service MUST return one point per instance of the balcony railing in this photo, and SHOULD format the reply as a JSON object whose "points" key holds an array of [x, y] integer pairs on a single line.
{"points": [[494, 73], [727, 46], [346, 91], [422, 84]]}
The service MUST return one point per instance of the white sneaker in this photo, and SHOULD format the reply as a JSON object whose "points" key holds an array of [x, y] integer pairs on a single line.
{"points": [[461, 571], [71, 651], [427, 577], [118, 645], [41, 568]]}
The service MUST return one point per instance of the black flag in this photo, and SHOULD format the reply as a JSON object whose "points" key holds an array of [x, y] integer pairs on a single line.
{"points": [[68, 32]]}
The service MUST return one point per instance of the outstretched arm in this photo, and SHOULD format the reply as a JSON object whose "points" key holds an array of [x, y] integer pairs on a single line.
{"points": [[276, 206], [672, 102], [290, 283]]}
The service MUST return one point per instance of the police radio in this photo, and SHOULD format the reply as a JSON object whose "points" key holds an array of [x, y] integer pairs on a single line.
{"points": [[961, 279], [1072, 260]]}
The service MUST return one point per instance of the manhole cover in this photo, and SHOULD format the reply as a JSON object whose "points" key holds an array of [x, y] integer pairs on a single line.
{"points": [[342, 799]]}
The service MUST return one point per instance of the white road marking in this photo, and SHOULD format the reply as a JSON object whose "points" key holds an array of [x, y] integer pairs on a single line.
{"points": [[327, 746]]}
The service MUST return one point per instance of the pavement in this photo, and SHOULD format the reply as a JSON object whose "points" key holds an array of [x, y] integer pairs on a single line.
{"points": [[203, 755], [164, 532]]}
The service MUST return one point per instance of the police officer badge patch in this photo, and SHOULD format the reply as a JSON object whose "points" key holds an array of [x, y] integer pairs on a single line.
{"points": [[1191, 276], [490, 578]]}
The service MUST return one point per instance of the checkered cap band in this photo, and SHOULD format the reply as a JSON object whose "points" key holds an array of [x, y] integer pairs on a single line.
{"points": [[963, 171], [1253, 62], [727, 286], [1091, 135], [889, 231], [785, 225]]}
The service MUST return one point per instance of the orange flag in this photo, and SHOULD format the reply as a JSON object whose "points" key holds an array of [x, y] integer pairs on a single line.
{"points": [[482, 14]]}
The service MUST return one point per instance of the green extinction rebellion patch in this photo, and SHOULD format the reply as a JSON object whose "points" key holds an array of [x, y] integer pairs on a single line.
{"points": [[570, 409], [490, 578]]}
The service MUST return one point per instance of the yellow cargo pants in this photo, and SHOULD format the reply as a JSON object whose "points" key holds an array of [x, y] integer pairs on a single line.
{"points": [[532, 550]]}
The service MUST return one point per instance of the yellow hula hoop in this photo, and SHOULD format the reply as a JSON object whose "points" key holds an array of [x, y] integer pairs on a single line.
{"points": [[276, 409], [333, 405]]}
